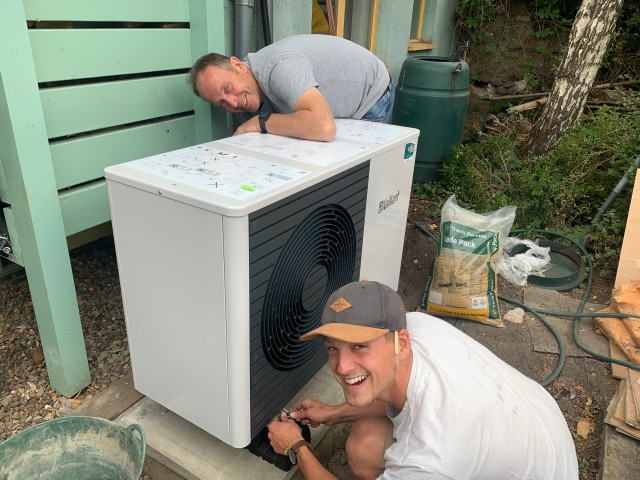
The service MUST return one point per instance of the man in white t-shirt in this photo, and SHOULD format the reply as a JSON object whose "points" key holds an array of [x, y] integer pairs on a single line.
{"points": [[425, 400]]}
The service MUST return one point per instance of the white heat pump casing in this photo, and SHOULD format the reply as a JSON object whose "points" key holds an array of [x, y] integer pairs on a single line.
{"points": [[183, 259]]}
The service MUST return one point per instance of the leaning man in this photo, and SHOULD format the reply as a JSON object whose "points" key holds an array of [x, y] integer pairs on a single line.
{"points": [[298, 85]]}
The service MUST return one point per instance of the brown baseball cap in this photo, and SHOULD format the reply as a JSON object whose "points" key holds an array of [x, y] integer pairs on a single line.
{"points": [[360, 312]]}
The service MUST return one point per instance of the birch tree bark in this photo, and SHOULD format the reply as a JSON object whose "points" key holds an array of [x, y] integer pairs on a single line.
{"points": [[588, 41]]}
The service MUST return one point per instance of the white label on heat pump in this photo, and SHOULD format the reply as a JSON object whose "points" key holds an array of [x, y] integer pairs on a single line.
{"points": [[229, 174]]}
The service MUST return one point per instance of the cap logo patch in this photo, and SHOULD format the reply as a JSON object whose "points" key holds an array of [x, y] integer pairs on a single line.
{"points": [[340, 305]]}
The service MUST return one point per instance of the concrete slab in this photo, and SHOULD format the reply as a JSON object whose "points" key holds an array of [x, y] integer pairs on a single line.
{"points": [[196, 455], [620, 456], [545, 342], [112, 401]]}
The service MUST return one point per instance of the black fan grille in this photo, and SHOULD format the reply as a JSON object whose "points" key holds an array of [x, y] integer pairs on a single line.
{"points": [[317, 259]]}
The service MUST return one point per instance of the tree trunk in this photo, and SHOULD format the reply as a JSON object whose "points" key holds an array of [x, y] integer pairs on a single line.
{"points": [[588, 41]]}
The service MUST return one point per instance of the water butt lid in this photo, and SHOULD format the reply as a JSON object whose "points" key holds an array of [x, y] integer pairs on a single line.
{"points": [[567, 267]]}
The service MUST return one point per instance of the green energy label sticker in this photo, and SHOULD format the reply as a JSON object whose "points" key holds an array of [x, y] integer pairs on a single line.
{"points": [[409, 150]]}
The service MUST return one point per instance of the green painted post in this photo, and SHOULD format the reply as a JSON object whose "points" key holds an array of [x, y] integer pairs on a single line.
{"points": [[207, 35], [31, 186]]}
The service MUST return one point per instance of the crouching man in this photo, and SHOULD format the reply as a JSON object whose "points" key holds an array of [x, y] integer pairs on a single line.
{"points": [[425, 400]]}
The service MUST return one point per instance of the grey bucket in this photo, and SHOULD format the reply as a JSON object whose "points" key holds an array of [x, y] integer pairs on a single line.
{"points": [[74, 448]]}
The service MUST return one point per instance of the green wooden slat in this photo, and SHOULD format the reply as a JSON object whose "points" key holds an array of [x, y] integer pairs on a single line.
{"points": [[83, 108], [68, 54], [112, 10], [85, 207], [84, 159]]}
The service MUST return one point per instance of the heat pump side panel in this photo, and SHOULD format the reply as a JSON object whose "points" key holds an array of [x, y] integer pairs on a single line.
{"points": [[386, 219], [171, 264]]}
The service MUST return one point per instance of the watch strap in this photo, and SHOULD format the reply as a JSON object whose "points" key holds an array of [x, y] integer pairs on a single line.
{"points": [[299, 444], [262, 120]]}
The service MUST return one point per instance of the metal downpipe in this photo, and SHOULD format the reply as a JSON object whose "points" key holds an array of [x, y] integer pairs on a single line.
{"points": [[243, 28]]}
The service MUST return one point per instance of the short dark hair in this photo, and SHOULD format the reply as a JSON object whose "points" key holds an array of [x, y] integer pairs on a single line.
{"points": [[208, 60]]}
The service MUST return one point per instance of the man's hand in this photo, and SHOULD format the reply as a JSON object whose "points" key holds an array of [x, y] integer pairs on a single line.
{"points": [[312, 412], [283, 433], [251, 125]]}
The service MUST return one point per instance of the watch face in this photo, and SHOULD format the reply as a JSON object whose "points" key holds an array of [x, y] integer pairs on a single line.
{"points": [[292, 457]]}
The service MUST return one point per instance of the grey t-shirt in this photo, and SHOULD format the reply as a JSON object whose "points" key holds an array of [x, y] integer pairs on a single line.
{"points": [[349, 77]]}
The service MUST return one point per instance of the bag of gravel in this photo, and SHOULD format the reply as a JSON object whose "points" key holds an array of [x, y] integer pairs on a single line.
{"points": [[463, 282]]}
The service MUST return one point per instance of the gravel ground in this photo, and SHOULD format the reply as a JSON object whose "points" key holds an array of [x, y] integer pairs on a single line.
{"points": [[26, 397]]}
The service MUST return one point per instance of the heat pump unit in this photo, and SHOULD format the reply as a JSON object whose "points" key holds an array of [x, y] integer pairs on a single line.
{"points": [[227, 252]]}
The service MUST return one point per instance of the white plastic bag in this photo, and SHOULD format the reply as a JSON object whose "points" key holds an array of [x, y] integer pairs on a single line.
{"points": [[533, 261]]}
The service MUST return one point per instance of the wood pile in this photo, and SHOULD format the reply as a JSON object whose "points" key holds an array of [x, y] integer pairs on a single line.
{"points": [[624, 337]]}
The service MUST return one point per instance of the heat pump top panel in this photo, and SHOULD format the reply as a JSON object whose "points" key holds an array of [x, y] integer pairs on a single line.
{"points": [[238, 175]]}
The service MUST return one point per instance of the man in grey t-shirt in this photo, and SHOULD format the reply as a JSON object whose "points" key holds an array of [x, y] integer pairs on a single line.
{"points": [[299, 85]]}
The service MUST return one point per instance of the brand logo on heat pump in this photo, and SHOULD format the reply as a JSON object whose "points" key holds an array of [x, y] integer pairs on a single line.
{"points": [[387, 202]]}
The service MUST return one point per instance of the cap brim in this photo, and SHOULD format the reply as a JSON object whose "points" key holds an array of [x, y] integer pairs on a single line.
{"points": [[345, 332]]}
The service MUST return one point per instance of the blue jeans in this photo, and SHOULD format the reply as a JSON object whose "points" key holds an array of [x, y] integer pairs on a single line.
{"points": [[381, 110]]}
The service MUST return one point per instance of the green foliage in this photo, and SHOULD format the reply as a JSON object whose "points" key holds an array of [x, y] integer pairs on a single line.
{"points": [[429, 190], [561, 190], [472, 16], [622, 60]]}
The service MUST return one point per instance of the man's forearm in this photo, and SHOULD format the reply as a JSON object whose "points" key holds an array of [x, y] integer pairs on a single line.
{"points": [[301, 124], [345, 413], [311, 467]]}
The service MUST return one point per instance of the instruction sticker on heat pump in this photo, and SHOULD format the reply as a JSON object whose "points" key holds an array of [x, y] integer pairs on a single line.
{"points": [[321, 154], [229, 174], [368, 132]]}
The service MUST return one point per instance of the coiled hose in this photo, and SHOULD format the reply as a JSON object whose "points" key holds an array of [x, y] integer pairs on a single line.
{"points": [[578, 315]]}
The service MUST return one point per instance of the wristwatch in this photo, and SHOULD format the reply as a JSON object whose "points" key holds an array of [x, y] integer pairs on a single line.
{"points": [[292, 451], [262, 120]]}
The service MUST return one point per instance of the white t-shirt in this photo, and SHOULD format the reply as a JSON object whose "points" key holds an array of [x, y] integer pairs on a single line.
{"points": [[469, 415]]}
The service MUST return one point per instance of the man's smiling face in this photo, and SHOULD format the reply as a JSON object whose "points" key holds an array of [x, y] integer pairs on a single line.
{"points": [[365, 371], [234, 90]]}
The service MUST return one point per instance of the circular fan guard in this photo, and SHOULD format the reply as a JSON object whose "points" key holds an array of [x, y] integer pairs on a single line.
{"points": [[317, 259]]}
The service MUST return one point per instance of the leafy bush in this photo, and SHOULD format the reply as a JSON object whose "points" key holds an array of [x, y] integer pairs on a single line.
{"points": [[561, 190]]}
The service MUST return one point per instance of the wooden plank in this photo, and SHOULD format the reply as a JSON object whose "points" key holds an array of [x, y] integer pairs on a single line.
{"points": [[630, 415], [417, 45], [83, 108], [616, 416], [617, 371], [26, 161], [83, 159], [84, 207], [66, 54], [340, 7], [375, 18], [629, 263], [423, 4], [634, 383], [111, 11]]}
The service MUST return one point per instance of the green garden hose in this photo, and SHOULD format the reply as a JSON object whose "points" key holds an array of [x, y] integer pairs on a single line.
{"points": [[578, 315]]}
